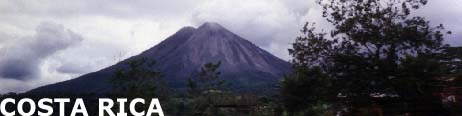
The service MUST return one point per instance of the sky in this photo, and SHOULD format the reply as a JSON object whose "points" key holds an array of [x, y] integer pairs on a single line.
{"points": [[48, 41]]}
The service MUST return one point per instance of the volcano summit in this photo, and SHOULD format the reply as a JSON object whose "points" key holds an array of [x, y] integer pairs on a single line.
{"points": [[245, 66]]}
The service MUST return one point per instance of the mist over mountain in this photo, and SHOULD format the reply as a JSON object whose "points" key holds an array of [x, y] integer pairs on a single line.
{"points": [[244, 65]]}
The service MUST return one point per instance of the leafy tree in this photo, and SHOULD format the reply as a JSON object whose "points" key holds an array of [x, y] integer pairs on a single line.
{"points": [[206, 90], [139, 80], [376, 51], [208, 80], [308, 89], [306, 92]]}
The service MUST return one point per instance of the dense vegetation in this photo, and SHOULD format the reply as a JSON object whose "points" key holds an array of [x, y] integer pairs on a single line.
{"points": [[378, 60]]}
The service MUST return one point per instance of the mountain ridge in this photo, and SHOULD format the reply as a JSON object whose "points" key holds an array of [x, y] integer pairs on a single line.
{"points": [[181, 55]]}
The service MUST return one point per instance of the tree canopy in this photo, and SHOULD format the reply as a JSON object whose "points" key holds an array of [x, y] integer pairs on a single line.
{"points": [[377, 50]]}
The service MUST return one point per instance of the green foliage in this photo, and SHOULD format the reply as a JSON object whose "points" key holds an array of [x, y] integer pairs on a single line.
{"points": [[142, 80], [305, 91], [381, 48], [139, 80], [308, 89], [205, 90], [208, 80], [376, 50]]}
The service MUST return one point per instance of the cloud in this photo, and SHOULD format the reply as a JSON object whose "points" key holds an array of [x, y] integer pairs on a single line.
{"points": [[271, 24], [446, 12], [22, 59], [74, 67]]}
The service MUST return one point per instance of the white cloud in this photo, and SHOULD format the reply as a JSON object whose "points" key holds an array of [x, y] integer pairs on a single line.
{"points": [[446, 12], [271, 24], [21, 59]]}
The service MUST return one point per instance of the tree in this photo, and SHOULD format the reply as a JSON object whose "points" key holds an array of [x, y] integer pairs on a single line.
{"points": [[307, 90], [139, 80], [208, 80], [206, 90], [376, 51]]}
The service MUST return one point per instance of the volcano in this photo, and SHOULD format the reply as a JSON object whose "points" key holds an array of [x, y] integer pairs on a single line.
{"points": [[244, 65]]}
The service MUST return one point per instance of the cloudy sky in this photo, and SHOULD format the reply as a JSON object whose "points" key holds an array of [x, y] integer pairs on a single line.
{"points": [[47, 41]]}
